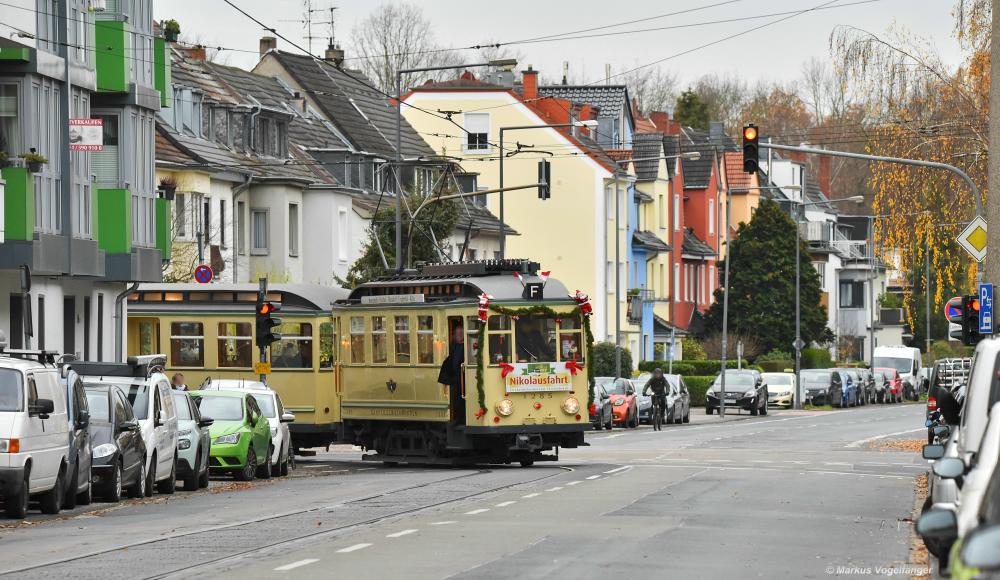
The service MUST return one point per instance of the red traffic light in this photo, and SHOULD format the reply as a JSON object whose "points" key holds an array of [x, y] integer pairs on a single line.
{"points": [[267, 308]]}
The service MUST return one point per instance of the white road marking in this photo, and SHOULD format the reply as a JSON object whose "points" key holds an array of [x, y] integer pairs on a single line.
{"points": [[575, 482], [761, 461], [594, 477], [861, 442], [295, 565], [531, 495], [835, 463], [353, 548], [554, 489], [505, 503], [401, 534], [478, 511], [719, 460], [610, 436], [443, 523], [617, 469]]}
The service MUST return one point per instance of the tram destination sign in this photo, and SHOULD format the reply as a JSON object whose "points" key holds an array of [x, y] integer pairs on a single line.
{"points": [[393, 299], [539, 376]]}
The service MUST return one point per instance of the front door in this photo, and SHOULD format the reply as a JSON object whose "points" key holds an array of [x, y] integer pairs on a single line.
{"points": [[455, 360]]}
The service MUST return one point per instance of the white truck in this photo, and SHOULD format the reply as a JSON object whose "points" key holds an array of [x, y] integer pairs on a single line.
{"points": [[908, 362]]}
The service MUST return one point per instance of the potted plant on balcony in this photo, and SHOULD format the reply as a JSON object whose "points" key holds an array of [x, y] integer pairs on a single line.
{"points": [[168, 185], [34, 161], [171, 30], [633, 292]]}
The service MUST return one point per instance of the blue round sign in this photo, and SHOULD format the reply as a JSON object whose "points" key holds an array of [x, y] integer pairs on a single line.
{"points": [[203, 274]]}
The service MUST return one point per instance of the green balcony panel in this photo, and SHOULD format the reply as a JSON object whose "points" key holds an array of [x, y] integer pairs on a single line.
{"points": [[161, 71], [15, 53], [112, 49], [163, 237], [19, 203], [114, 220]]}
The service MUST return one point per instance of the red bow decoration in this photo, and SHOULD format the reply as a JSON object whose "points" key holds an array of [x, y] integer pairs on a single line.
{"points": [[506, 369], [480, 413], [572, 367]]}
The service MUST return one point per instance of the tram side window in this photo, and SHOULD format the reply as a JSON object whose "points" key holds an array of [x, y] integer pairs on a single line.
{"points": [[401, 337], [235, 344], [425, 340], [570, 339], [187, 344], [327, 344], [499, 331], [536, 338], [357, 339], [472, 326], [294, 350], [378, 340]]}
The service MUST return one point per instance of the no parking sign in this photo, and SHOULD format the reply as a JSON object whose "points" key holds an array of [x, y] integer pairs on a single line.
{"points": [[203, 274]]}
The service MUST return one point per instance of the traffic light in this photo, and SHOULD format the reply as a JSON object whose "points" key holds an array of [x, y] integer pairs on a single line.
{"points": [[751, 149], [544, 179], [964, 311], [266, 322]]}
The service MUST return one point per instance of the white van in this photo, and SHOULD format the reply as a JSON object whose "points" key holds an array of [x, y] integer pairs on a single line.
{"points": [[907, 360], [34, 433], [145, 386]]}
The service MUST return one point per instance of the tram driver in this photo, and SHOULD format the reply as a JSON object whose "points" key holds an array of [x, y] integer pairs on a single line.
{"points": [[532, 344]]}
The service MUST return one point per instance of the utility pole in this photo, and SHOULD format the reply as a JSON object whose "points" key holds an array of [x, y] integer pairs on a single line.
{"points": [[927, 295], [725, 315], [618, 275], [993, 182]]}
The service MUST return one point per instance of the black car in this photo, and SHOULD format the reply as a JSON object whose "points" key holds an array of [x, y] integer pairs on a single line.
{"points": [[78, 487], [600, 411], [817, 385], [745, 390], [119, 452]]}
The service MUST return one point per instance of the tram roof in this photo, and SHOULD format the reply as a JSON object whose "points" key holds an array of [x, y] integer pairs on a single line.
{"points": [[304, 296]]}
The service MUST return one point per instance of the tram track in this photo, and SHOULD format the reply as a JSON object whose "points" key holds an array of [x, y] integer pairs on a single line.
{"points": [[216, 546]]}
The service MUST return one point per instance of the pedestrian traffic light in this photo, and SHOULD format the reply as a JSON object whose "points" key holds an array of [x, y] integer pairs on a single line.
{"points": [[751, 149], [266, 322], [544, 179]]}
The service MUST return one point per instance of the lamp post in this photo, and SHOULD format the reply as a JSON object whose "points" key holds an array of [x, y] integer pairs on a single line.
{"points": [[507, 62]]}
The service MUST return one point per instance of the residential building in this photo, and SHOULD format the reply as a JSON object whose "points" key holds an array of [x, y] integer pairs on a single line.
{"points": [[86, 223]]}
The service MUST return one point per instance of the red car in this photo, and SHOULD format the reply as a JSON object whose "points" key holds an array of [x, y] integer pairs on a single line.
{"points": [[892, 391], [624, 404]]}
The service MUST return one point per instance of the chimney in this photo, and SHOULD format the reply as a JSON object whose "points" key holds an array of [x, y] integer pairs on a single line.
{"points": [[195, 52], [716, 131], [530, 82], [300, 101], [333, 54], [825, 175], [565, 72], [661, 119], [267, 43], [585, 114]]}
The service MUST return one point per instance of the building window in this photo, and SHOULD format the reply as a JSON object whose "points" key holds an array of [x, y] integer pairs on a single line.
{"points": [[241, 227], [187, 344], [609, 203], [477, 127], [235, 344], [677, 283], [821, 270], [293, 229], [258, 231], [222, 223], [105, 164], [9, 142], [852, 294], [661, 212], [711, 216], [712, 282], [294, 350], [677, 212], [343, 233]]}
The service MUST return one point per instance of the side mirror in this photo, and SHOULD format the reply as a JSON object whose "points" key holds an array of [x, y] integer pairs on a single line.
{"points": [[981, 549], [42, 408], [82, 419], [949, 468], [938, 524], [287, 417], [933, 451], [161, 419], [206, 422], [942, 431], [605, 396], [132, 425]]}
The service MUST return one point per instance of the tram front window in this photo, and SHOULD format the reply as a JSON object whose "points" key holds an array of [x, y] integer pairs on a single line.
{"points": [[535, 339]]}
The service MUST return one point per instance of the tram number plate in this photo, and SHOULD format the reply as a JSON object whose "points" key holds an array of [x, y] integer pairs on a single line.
{"points": [[262, 368]]}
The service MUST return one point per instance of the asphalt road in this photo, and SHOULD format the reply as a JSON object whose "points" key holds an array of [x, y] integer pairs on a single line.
{"points": [[790, 495]]}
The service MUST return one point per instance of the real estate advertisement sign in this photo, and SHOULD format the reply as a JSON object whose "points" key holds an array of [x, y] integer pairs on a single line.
{"points": [[86, 135]]}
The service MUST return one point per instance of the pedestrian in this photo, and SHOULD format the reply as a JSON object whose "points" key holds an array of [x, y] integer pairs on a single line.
{"points": [[451, 371], [177, 382]]}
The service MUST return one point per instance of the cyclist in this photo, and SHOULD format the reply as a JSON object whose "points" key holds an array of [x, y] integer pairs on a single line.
{"points": [[659, 386]]}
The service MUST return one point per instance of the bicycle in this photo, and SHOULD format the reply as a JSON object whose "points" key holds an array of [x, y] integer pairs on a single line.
{"points": [[657, 414]]}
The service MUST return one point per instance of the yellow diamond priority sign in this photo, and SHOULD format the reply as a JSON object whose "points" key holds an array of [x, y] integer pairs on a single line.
{"points": [[973, 238]]}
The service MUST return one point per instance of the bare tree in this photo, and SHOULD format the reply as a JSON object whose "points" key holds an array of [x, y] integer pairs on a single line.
{"points": [[653, 89], [725, 97]]}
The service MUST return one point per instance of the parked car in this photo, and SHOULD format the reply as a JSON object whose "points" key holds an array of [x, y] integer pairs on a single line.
{"points": [[843, 392], [860, 383], [817, 385], [780, 389], [194, 443], [80, 455], [34, 453], [119, 451], [977, 555], [241, 435], [745, 390], [645, 402], [624, 405], [907, 362], [148, 390], [893, 392], [277, 417], [678, 400], [600, 411]]}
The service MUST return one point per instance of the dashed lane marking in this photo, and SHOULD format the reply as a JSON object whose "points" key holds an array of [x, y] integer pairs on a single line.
{"points": [[531, 495], [554, 488], [297, 564], [505, 503], [617, 469], [478, 511], [401, 534], [353, 548], [443, 523], [575, 482], [594, 477]]}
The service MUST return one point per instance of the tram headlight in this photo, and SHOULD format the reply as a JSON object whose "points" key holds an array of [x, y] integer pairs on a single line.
{"points": [[571, 406], [505, 407]]}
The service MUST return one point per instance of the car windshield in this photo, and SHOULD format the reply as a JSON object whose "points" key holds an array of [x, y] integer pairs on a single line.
{"points": [[903, 365], [266, 404], [11, 393], [613, 387], [183, 410], [778, 380], [138, 396], [735, 380], [221, 408], [100, 410], [821, 378]]}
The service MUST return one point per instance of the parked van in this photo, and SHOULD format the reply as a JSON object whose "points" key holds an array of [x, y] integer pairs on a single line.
{"points": [[34, 432], [908, 363], [142, 381]]}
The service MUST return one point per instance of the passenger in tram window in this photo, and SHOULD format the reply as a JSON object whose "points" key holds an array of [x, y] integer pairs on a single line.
{"points": [[532, 344], [290, 358]]}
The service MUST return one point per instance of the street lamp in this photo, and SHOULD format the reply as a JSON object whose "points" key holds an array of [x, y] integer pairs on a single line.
{"points": [[503, 228], [506, 62]]}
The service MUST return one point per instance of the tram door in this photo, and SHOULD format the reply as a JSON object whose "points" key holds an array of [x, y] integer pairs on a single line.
{"points": [[451, 368]]}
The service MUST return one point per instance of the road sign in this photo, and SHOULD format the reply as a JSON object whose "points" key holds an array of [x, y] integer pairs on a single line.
{"points": [[986, 309], [203, 274], [799, 344], [261, 368], [953, 310], [973, 238]]}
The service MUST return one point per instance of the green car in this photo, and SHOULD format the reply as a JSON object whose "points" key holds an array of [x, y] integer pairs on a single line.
{"points": [[241, 435]]}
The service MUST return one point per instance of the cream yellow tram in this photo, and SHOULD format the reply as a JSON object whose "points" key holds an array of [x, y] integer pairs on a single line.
{"points": [[482, 362]]}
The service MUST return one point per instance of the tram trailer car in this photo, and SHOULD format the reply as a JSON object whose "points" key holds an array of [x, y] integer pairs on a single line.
{"points": [[421, 379], [207, 331]]}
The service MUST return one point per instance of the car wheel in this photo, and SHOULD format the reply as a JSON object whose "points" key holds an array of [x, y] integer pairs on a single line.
{"points": [[250, 468], [191, 479], [708, 410], [264, 471], [114, 491], [284, 463], [51, 501], [87, 497], [753, 409], [138, 489], [687, 416], [763, 408], [527, 463], [169, 485], [203, 478], [17, 502], [150, 478], [69, 495]]}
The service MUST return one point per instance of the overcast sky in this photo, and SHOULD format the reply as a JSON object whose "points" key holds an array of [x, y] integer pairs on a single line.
{"points": [[776, 51]]}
